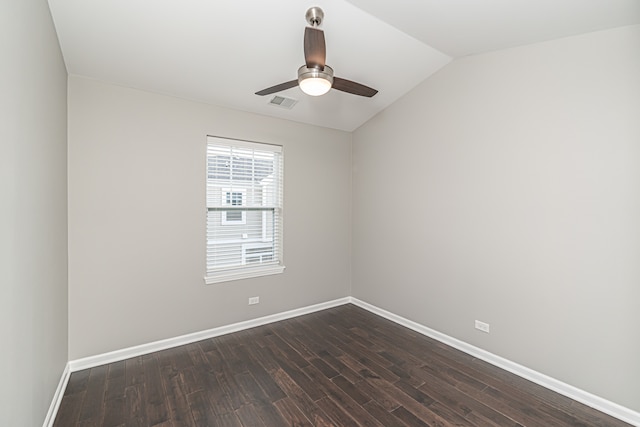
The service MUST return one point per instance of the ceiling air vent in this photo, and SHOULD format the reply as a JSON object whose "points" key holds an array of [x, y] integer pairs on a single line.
{"points": [[282, 102]]}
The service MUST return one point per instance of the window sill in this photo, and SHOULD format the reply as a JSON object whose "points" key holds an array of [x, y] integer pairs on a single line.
{"points": [[242, 273]]}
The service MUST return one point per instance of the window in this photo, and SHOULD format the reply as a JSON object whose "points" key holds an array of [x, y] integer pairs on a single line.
{"points": [[233, 197], [244, 209]]}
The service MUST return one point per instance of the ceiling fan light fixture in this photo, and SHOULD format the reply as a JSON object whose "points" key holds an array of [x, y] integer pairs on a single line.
{"points": [[315, 82], [315, 86]]}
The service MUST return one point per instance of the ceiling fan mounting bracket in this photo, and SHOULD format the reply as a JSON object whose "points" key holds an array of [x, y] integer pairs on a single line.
{"points": [[314, 16]]}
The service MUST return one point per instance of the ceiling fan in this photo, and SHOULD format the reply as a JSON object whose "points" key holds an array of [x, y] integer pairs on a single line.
{"points": [[315, 77]]}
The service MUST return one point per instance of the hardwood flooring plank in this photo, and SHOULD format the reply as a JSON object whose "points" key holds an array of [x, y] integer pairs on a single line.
{"points": [[464, 404], [452, 376], [326, 370], [282, 347], [336, 413], [69, 410], [405, 376], [408, 418], [114, 412], [520, 411], [359, 364], [201, 411], [360, 335], [92, 410], [292, 415], [329, 341], [207, 345], [192, 379], [301, 399], [417, 395], [250, 388], [382, 415], [114, 404], [77, 382], [260, 375], [116, 369], [226, 370], [342, 399], [156, 406], [204, 375], [563, 416], [226, 349], [135, 406], [415, 402], [340, 367], [227, 381], [350, 389], [265, 355], [381, 384], [248, 416], [228, 420], [218, 398], [314, 340], [293, 337], [178, 406], [134, 371], [523, 405], [427, 408], [378, 394], [301, 379], [270, 415]]}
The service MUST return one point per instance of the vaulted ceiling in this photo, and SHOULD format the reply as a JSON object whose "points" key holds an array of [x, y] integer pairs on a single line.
{"points": [[222, 51]]}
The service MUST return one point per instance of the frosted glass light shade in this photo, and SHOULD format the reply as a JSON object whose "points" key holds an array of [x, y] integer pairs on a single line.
{"points": [[315, 86]]}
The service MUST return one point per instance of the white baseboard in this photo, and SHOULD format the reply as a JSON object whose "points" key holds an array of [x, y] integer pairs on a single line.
{"points": [[57, 397], [126, 353], [596, 402]]}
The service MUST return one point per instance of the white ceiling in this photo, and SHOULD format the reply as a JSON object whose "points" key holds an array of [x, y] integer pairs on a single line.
{"points": [[222, 51]]}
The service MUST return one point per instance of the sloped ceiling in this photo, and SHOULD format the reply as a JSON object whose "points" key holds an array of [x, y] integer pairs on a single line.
{"points": [[222, 51]]}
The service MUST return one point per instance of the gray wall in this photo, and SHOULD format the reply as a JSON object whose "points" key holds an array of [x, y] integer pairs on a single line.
{"points": [[137, 218], [506, 188], [33, 218]]}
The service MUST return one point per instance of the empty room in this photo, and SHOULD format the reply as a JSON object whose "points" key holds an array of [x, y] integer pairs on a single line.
{"points": [[333, 213]]}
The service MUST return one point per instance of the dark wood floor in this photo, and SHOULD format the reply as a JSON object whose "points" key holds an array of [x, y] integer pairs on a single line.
{"points": [[339, 367]]}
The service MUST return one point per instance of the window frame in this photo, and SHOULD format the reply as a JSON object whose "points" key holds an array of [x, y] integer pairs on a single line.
{"points": [[274, 210]]}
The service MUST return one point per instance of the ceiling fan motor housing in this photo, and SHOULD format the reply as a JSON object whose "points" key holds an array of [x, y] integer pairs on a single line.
{"points": [[305, 72]]}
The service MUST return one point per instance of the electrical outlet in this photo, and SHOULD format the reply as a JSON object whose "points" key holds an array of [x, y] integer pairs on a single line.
{"points": [[484, 327], [254, 300]]}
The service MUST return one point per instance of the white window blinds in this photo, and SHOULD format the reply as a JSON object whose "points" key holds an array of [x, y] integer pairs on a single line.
{"points": [[244, 209]]}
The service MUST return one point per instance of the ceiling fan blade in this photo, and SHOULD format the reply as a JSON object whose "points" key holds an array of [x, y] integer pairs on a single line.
{"points": [[352, 87], [315, 51], [278, 88]]}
